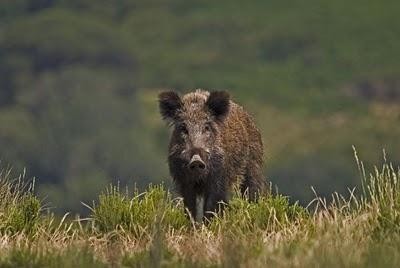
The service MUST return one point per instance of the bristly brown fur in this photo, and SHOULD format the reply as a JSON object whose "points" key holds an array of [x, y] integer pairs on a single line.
{"points": [[226, 138]]}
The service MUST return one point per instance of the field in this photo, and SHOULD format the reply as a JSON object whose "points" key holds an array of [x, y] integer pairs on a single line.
{"points": [[79, 83], [150, 229]]}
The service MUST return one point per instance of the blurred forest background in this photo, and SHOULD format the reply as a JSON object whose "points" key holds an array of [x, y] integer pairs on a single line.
{"points": [[79, 81]]}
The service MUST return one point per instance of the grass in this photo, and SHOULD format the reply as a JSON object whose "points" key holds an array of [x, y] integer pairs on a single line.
{"points": [[150, 229], [19, 208], [305, 70], [116, 211]]}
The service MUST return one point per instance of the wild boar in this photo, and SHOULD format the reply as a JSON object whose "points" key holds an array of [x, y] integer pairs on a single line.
{"points": [[215, 145]]}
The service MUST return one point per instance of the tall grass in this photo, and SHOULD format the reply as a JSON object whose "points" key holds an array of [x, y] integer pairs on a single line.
{"points": [[19, 208], [150, 229], [116, 211], [381, 194]]}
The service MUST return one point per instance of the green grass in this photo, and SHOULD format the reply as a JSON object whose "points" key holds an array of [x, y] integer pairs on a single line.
{"points": [[115, 210], [19, 208], [319, 76], [150, 229], [42, 257]]}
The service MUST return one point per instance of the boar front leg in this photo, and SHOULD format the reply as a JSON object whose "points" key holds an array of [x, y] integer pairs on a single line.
{"points": [[215, 203], [189, 200]]}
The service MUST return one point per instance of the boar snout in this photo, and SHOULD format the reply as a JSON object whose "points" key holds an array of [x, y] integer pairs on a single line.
{"points": [[196, 163]]}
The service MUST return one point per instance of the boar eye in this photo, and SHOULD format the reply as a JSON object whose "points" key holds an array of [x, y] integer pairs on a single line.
{"points": [[183, 129], [207, 128]]}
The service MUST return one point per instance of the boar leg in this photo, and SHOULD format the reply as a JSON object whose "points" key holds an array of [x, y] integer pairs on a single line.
{"points": [[215, 203], [199, 208], [189, 200], [253, 184]]}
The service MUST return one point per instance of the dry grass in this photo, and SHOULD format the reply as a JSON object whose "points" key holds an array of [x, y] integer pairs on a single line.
{"points": [[151, 230]]}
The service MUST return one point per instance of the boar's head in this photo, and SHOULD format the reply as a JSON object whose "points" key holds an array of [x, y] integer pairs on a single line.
{"points": [[197, 119]]}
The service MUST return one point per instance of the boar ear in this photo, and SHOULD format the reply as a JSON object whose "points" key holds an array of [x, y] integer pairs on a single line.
{"points": [[218, 103], [169, 103]]}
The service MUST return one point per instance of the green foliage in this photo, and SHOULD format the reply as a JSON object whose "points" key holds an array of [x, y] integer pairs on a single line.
{"points": [[382, 192], [19, 208], [270, 212], [116, 210], [23, 216], [80, 80], [150, 229]]}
